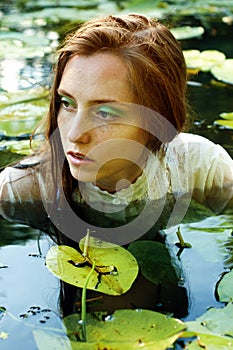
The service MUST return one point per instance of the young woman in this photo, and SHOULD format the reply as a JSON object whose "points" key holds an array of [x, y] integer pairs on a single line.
{"points": [[117, 160], [116, 156]]}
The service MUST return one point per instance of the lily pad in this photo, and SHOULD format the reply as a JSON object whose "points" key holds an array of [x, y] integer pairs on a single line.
{"points": [[127, 329], [227, 116], [215, 321], [204, 60], [224, 71], [10, 98], [228, 124], [225, 288], [8, 49], [22, 118], [24, 39], [116, 269], [187, 32], [211, 342]]}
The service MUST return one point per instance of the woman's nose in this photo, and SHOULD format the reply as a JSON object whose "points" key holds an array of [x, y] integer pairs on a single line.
{"points": [[79, 129]]}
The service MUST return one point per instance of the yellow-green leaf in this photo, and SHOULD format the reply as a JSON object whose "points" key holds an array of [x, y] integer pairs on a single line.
{"points": [[116, 268], [224, 71]]}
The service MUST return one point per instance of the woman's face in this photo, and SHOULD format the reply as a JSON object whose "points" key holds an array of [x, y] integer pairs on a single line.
{"points": [[98, 122]]}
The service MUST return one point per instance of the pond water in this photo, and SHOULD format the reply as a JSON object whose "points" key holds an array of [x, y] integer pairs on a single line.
{"points": [[30, 293]]}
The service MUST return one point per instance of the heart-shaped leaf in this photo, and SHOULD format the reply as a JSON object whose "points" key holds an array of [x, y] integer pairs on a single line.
{"points": [[115, 267]]}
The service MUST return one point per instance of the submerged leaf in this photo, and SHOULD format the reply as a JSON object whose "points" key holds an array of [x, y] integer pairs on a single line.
{"points": [[155, 262], [116, 269]]}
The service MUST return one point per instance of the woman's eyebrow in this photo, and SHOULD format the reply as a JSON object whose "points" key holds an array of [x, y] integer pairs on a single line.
{"points": [[94, 101], [63, 92]]}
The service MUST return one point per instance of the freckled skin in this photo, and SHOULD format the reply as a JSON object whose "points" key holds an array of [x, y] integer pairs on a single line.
{"points": [[88, 82]]}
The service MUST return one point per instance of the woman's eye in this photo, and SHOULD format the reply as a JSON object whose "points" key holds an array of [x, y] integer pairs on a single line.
{"points": [[67, 103], [108, 113]]}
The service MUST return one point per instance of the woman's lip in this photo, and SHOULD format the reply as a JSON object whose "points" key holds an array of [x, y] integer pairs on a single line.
{"points": [[78, 158]]}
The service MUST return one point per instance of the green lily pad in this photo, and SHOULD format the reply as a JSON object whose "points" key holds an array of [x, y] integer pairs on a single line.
{"points": [[187, 32], [211, 342], [214, 321], [22, 118], [16, 49], [227, 116], [81, 4], [204, 60], [10, 98], [228, 124], [20, 147], [225, 288], [114, 264], [154, 261], [127, 329], [214, 329], [23, 39], [224, 71]]}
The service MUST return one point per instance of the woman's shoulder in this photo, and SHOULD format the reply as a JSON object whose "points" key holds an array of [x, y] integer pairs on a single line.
{"points": [[191, 140], [196, 146], [21, 180]]}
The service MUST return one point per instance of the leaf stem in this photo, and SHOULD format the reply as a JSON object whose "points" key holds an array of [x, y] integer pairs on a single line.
{"points": [[86, 245], [83, 305], [182, 244]]}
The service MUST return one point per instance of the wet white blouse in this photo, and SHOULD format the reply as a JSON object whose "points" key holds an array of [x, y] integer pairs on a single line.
{"points": [[191, 167]]}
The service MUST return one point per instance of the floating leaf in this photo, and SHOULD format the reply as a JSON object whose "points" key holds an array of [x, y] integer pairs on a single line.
{"points": [[20, 147], [204, 60], [126, 329], [115, 271], [224, 71], [192, 58], [155, 262], [214, 329], [210, 342], [225, 287], [187, 32], [227, 116], [214, 321], [228, 124], [10, 98], [25, 39], [22, 118]]}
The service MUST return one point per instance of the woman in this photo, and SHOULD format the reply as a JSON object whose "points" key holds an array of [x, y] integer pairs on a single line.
{"points": [[116, 157], [116, 160]]}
